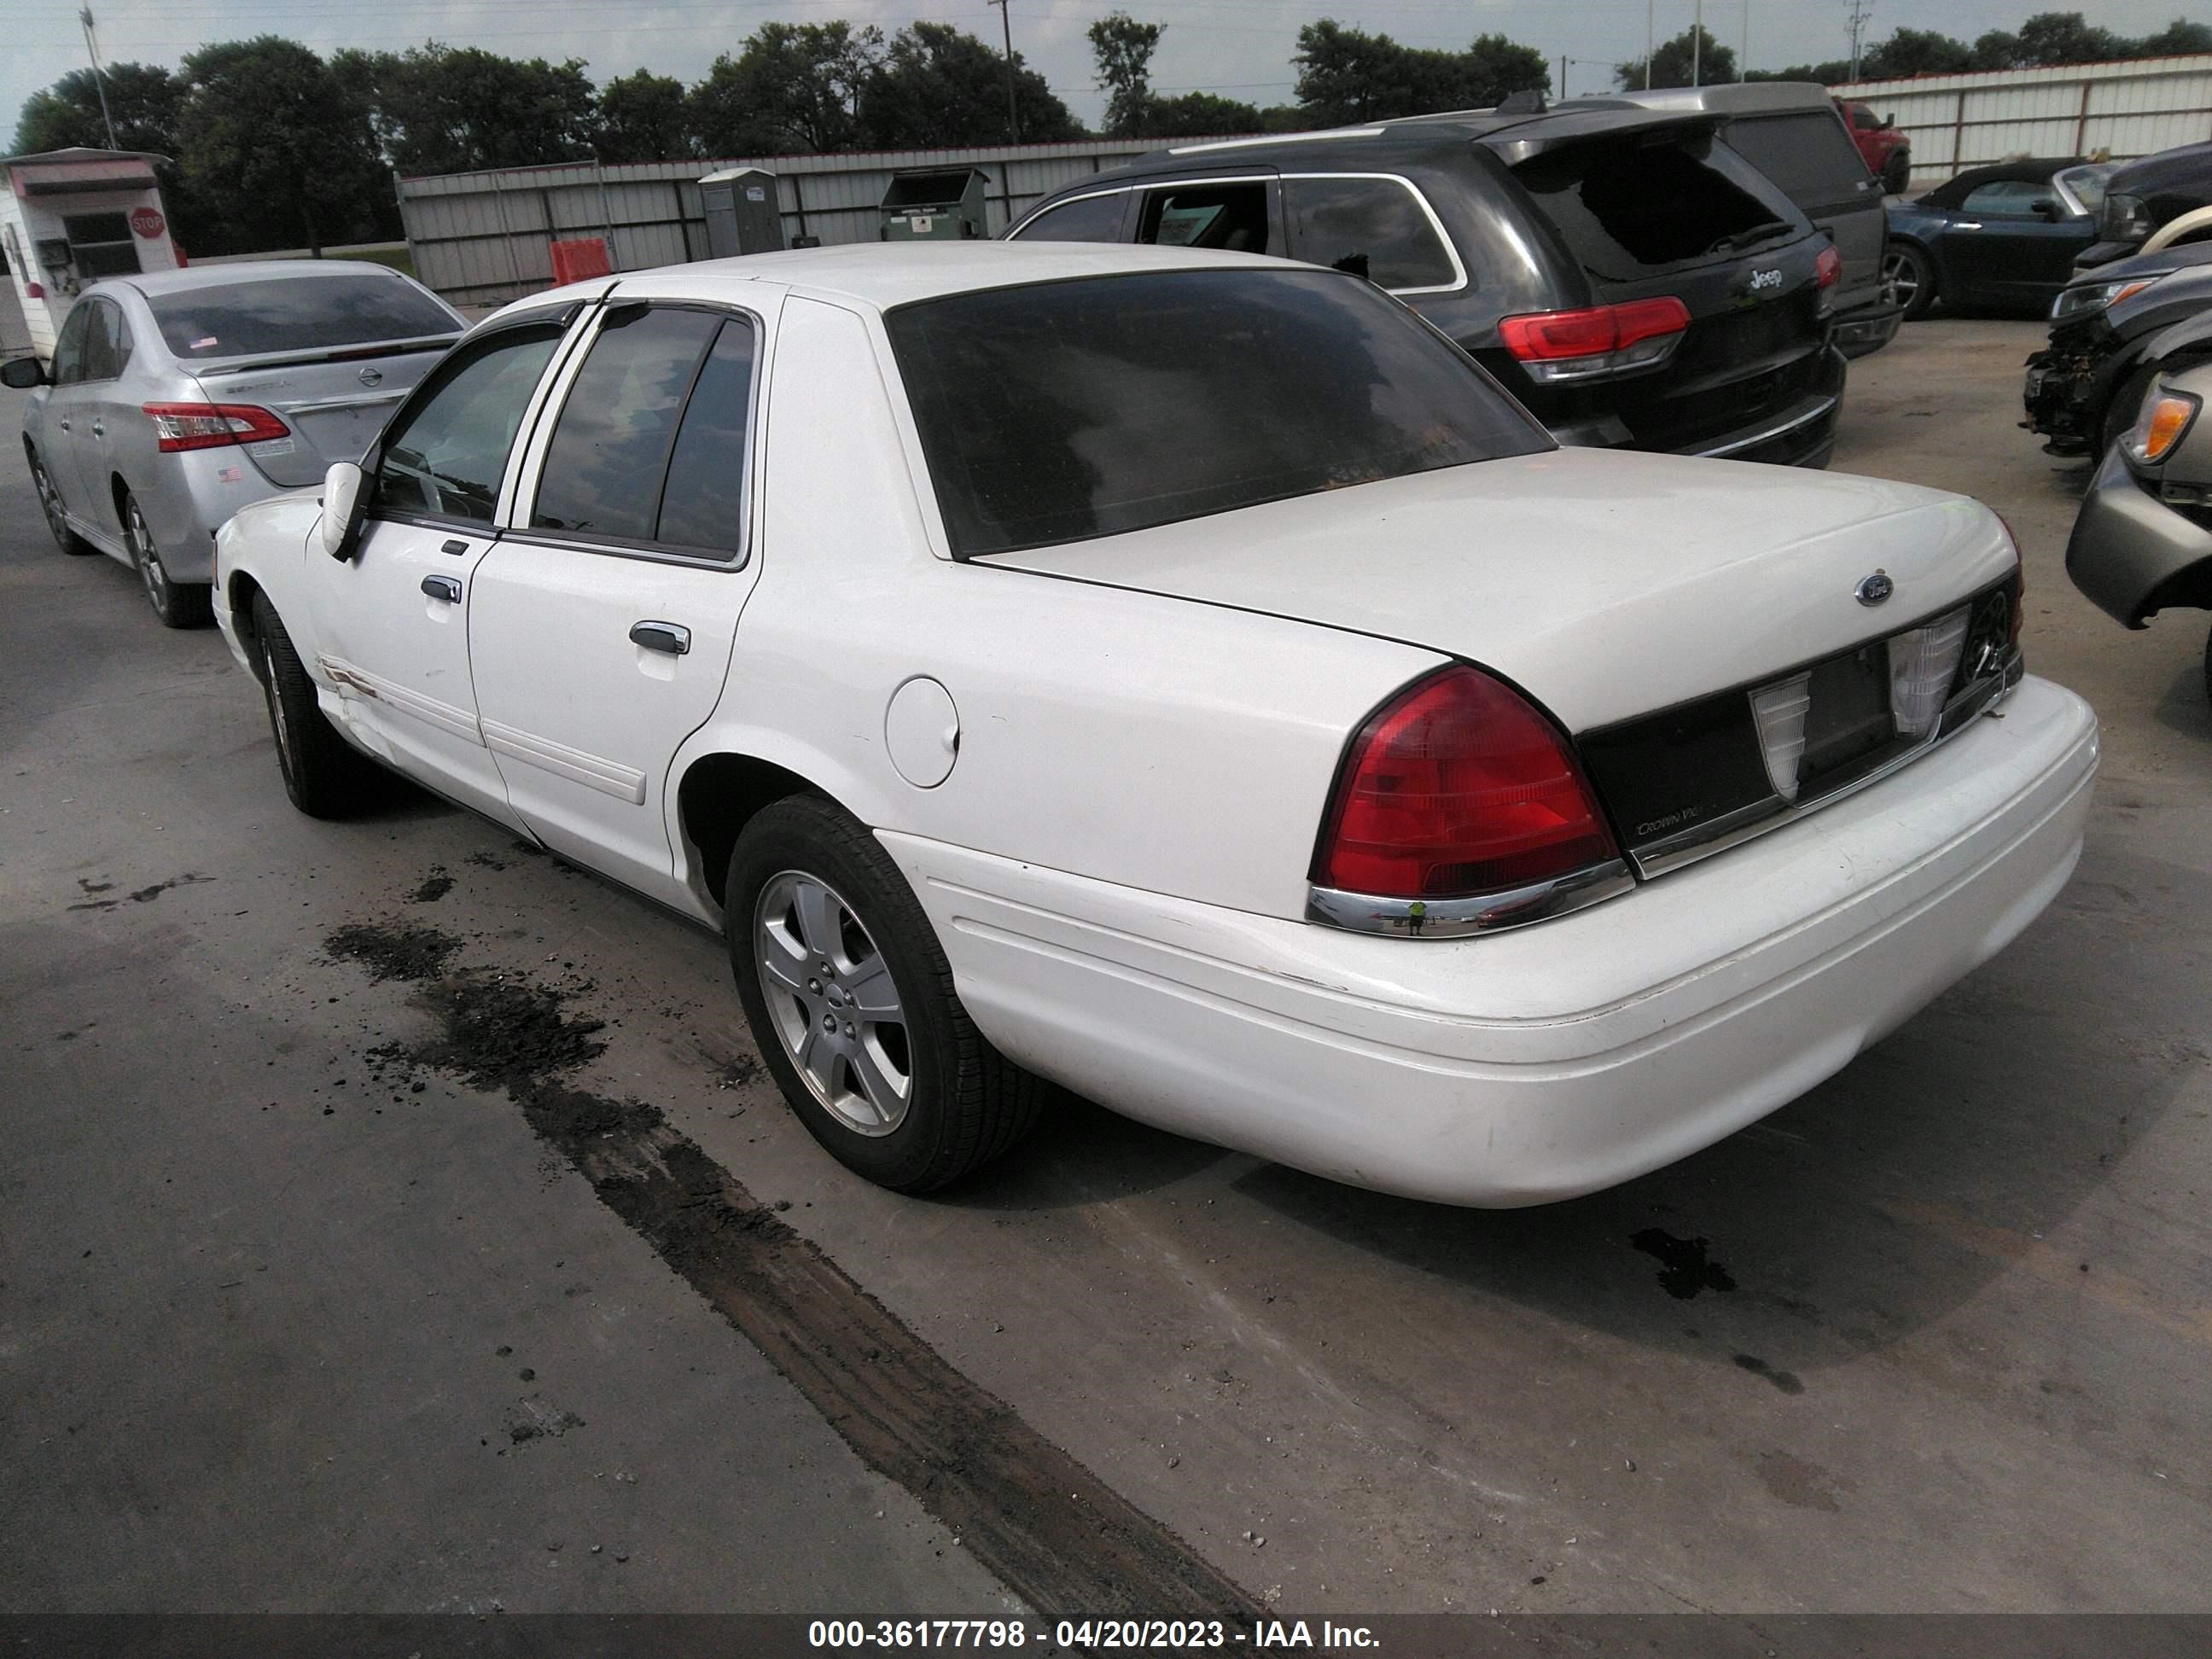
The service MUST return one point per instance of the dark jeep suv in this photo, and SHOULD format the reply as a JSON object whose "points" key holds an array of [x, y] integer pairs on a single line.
{"points": [[1631, 280]]}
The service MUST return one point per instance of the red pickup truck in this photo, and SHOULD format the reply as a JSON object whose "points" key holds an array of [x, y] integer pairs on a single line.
{"points": [[1887, 152]]}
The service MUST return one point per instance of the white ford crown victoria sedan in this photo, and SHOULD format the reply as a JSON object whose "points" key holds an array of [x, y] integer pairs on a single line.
{"points": [[1187, 677]]}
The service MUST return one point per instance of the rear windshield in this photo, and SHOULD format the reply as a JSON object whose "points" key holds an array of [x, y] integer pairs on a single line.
{"points": [[1629, 209], [1806, 152], [296, 313], [1065, 410]]}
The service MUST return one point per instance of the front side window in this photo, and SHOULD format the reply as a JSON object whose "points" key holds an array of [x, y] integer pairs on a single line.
{"points": [[100, 363], [69, 350], [1087, 219], [1230, 218], [1373, 227], [2008, 199], [1065, 410], [2085, 185], [448, 450]]}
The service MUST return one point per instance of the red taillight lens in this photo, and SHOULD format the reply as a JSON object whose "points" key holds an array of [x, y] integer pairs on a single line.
{"points": [[2019, 580], [1565, 345], [211, 426], [1457, 787], [1828, 269]]}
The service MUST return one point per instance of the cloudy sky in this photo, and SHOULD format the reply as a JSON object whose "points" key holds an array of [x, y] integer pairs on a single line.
{"points": [[1237, 48]]}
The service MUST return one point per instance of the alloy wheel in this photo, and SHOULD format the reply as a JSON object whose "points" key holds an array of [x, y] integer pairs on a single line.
{"points": [[50, 502], [144, 555], [832, 1000], [1900, 278]]}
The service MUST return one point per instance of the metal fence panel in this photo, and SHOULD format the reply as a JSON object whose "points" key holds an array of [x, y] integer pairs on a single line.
{"points": [[482, 238]]}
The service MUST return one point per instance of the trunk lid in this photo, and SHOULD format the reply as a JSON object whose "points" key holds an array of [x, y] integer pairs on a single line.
{"points": [[334, 403], [1606, 585]]}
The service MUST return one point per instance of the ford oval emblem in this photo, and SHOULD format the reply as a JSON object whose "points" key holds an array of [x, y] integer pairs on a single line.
{"points": [[1876, 588], [372, 377]]}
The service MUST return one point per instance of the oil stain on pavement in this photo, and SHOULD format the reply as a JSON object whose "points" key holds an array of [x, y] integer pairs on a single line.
{"points": [[1027, 1512]]}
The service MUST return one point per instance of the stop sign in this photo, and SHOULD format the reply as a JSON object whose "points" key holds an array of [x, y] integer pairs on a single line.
{"points": [[147, 223]]}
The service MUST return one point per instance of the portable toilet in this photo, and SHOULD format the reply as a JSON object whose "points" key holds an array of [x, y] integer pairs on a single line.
{"points": [[742, 213], [935, 203], [72, 216]]}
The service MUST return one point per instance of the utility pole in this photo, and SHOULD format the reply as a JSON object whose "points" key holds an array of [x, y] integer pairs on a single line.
{"points": [[99, 79], [1743, 51], [1007, 24], [1697, 45], [1861, 15], [1648, 5]]}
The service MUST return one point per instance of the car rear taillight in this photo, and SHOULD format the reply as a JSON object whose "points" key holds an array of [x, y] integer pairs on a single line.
{"points": [[1601, 340], [1455, 788], [1828, 267], [2018, 586], [212, 426]]}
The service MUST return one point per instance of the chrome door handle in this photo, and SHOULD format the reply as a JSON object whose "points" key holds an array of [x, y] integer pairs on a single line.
{"points": [[62, 424], [98, 430], [1968, 224], [670, 639], [447, 588]]}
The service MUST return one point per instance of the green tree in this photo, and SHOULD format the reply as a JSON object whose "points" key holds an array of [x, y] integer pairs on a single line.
{"points": [[1198, 115], [2053, 38], [1997, 49], [457, 109], [643, 117], [147, 102], [1916, 52], [1347, 75], [281, 148], [1123, 48], [2177, 38], [794, 89], [937, 86], [1693, 52]]}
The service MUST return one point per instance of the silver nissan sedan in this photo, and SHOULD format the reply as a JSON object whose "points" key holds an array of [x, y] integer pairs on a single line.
{"points": [[176, 397]]}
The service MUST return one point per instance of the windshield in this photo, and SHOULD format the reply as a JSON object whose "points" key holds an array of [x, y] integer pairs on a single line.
{"points": [[296, 314], [2087, 186], [1064, 410]]}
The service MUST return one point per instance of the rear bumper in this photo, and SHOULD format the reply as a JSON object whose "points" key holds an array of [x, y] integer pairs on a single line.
{"points": [[1524, 1068], [2129, 548], [1864, 331]]}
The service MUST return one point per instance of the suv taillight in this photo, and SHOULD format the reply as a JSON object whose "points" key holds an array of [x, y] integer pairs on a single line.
{"points": [[1581, 345], [1828, 267], [1457, 787], [212, 426]]}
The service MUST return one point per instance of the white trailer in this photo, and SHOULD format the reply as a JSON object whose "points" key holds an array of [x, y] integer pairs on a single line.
{"points": [[69, 218]]}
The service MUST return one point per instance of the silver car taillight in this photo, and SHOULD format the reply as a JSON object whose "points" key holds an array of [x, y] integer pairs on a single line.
{"points": [[1924, 662]]}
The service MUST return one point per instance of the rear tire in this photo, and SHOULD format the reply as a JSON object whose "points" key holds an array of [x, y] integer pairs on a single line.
{"points": [[1909, 278], [325, 776], [178, 605], [2207, 668], [49, 503], [1896, 172], [853, 1006]]}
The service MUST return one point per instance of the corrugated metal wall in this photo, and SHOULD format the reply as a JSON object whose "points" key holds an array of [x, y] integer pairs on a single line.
{"points": [[482, 238], [2123, 110]]}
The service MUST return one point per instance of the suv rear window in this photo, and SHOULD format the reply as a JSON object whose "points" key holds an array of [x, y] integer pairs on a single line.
{"points": [[1630, 210], [296, 313], [1807, 152], [1064, 410], [1373, 227]]}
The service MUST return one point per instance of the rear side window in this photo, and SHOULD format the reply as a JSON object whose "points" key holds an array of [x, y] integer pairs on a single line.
{"points": [[1630, 210], [448, 450], [1808, 154], [703, 504], [1087, 219], [1374, 228], [610, 452], [296, 314], [1064, 410], [1231, 217]]}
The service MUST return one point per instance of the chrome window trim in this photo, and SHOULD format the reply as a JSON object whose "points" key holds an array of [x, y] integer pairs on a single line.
{"points": [[1458, 284], [1484, 913]]}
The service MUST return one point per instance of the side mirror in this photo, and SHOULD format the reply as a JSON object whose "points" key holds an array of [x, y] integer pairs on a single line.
{"points": [[345, 501], [1887, 122], [22, 373], [2046, 208]]}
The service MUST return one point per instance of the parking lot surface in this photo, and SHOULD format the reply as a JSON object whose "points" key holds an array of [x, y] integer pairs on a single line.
{"points": [[293, 1315]]}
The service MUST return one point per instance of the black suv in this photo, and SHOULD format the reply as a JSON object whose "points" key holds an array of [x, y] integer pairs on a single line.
{"points": [[1630, 279]]}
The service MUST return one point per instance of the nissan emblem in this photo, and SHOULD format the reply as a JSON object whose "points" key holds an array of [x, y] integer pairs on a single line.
{"points": [[372, 377]]}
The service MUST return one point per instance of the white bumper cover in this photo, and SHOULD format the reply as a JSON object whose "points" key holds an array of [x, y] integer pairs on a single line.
{"points": [[1537, 1065]]}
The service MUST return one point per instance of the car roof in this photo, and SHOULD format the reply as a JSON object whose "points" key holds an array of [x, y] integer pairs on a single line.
{"points": [[2183, 164], [882, 275], [150, 282], [1726, 97]]}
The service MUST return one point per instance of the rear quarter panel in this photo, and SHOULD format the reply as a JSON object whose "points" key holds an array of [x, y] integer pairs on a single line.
{"points": [[1149, 741]]}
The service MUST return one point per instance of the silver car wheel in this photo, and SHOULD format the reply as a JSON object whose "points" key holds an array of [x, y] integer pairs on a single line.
{"points": [[50, 502], [144, 555], [1900, 278], [833, 1003]]}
